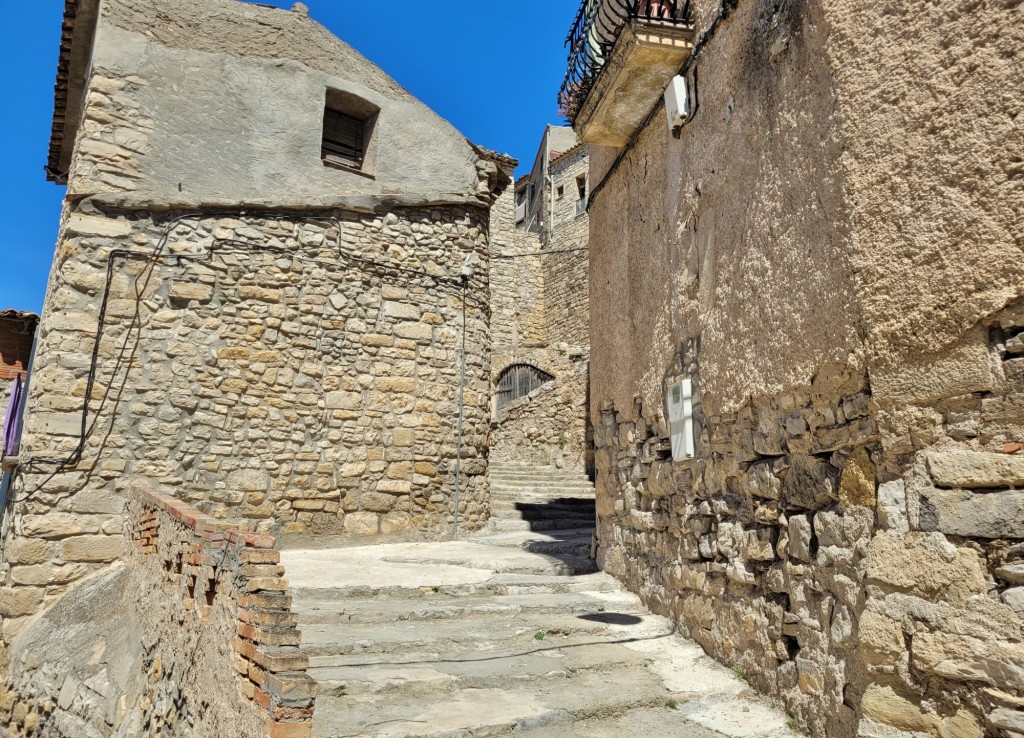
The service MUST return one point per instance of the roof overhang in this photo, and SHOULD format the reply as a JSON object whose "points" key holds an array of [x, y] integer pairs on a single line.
{"points": [[76, 42]]}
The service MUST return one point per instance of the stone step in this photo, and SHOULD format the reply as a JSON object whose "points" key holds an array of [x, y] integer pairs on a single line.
{"points": [[446, 637], [420, 673], [659, 721], [553, 478], [508, 524], [527, 483], [547, 511], [587, 579], [375, 610], [490, 712], [571, 542]]}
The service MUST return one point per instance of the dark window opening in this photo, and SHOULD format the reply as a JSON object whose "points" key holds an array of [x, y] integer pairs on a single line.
{"points": [[348, 134], [343, 138], [581, 186], [518, 381]]}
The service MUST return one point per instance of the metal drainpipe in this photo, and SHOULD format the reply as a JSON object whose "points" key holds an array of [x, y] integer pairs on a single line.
{"points": [[462, 409]]}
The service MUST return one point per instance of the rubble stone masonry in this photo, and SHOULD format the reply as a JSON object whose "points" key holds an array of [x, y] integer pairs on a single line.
{"points": [[849, 534], [547, 426], [297, 374], [211, 649]]}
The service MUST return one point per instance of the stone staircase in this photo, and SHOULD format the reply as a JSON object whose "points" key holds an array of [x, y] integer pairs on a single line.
{"points": [[513, 632], [543, 510]]}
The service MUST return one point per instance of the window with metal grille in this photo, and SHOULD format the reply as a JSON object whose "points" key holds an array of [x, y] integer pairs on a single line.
{"points": [[343, 138], [518, 381]]}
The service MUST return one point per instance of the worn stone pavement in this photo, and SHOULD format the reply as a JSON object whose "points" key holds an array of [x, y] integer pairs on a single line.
{"points": [[488, 639]]}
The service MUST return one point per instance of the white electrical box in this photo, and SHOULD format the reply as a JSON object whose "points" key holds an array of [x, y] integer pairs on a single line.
{"points": [[679, 401], [677, 102]]}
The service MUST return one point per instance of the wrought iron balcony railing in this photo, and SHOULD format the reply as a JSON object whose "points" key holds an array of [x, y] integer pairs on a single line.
{"points": [[597, 27]]}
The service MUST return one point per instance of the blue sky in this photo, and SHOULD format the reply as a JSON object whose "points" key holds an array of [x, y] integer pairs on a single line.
{"points": [[492, 68]]}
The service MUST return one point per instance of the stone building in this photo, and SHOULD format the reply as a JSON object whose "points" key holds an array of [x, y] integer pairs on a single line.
{"points": [[268, 297], [539, 310], [807, 315]]}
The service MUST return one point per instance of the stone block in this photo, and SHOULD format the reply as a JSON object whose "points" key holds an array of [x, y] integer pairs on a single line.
{"points": [[962, 658], [61, 525], [401, 311], [91, 225], [43, 575], [1012, 573], [16, 602], [961, 469], [394, 486], [260, 294], [396, 384], [362, 523], [1014, 598], [182, 293], [28, 551], [881, 639], [395, 522], [248, 480], [892, 507], [1011, 721], [963, 513], [925, 565], [800, 537], [810, 484], [377, 502], [420, 332], [404, 437], [92, 548], [857, 482], [883, 704]]}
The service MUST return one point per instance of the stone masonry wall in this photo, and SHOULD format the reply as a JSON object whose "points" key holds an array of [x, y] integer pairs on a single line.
{"points": [[757, 547], [548, 426], [300, 375], [519, 331], [566, 267], [861, 587], [209, 650], [847, 536]]}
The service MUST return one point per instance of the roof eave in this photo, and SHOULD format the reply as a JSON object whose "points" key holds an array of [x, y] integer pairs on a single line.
{"points": [[76, 41]]}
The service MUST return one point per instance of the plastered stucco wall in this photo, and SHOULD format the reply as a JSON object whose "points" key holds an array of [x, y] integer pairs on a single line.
{"points": [[829, 250], [224, 102]]}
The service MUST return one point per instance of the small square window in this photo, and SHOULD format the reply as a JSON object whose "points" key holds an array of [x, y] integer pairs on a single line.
{"points": [[560, 192], [348, 132], [343, 139]]}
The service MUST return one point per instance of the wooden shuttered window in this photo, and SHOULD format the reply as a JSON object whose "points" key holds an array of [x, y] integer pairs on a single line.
{"points": [[343, 138]]}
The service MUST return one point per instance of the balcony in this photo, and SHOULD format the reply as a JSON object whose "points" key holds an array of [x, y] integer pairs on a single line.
{"points": [[622, 55]]}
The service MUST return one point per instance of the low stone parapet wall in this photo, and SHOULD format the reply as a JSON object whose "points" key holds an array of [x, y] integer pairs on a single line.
{"points": [[207, 562], [190, 635]]}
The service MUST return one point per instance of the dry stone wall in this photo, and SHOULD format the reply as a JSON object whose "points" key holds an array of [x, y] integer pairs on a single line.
{"points": [[550, 426]]}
